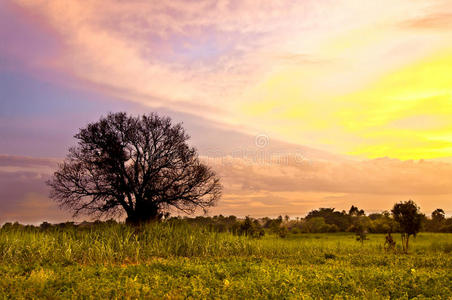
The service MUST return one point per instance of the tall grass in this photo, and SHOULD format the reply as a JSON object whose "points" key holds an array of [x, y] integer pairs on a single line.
{"points": [[118, 243], [115, 244], [178, 260]]}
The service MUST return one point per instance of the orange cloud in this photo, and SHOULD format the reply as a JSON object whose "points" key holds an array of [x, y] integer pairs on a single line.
{"points": [[441, 21], [263, 188], [296, 187]]}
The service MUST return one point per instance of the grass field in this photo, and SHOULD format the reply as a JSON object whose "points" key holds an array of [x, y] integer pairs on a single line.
{"points": [[179, 261]]}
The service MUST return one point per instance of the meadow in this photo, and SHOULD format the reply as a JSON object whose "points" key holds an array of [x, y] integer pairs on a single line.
{"points": [[177, 261]]}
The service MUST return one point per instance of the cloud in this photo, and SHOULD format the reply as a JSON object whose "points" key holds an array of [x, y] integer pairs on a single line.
{"points": [[295, 187], [435, 21], [26, 162], [259, 188], [282, 67], [347, 76], [23, 193], [382, 176], [151, 49]]}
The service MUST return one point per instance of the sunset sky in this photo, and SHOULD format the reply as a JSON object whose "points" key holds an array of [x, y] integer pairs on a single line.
{"points": [[296, 104]]}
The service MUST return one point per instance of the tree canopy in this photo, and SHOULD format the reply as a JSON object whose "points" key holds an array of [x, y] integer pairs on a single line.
{"points": [[409, 218], [141, 166]]}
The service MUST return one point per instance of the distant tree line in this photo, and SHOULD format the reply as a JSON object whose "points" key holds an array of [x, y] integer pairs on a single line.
{"points": [[322, 220]]}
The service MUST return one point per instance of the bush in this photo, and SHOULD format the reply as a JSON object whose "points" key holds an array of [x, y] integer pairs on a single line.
{"points": [[446, 228], [283, 231], [251, 228]]}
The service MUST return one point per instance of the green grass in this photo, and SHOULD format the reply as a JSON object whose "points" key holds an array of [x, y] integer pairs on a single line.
{"points": [[180, 261]]}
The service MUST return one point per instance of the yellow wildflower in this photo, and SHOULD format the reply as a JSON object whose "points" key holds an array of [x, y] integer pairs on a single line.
{"points": [[226, 283]]}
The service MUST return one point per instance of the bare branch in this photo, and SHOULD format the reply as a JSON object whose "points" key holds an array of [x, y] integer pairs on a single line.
{"points": [[142, 166]]}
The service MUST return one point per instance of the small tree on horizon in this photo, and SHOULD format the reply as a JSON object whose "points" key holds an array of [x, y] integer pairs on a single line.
{"points": [[360, 228], [141, 166], [410, 220], [438, 215], [355, 211]]}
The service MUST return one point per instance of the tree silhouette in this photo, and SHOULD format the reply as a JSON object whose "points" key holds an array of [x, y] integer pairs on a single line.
{"points": [[355, 211], [360, 227], [438, 215], [142, 166], [409, 218]]}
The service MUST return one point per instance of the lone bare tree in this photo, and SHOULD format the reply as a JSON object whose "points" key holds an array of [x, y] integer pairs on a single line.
{"points": [[409, 218], [142, 166]]}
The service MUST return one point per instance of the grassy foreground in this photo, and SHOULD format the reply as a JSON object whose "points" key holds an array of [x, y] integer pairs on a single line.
{"points": [[178, 261]]}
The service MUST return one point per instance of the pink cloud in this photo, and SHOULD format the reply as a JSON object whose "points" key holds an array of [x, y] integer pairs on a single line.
{"points": [[441, 21], [260, 189], [24, 161], [23, 193], [204, 56]]}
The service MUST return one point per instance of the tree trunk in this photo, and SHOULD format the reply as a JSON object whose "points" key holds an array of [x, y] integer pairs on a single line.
{"points": [[404, 243], [406, 247], [144, 212]]}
